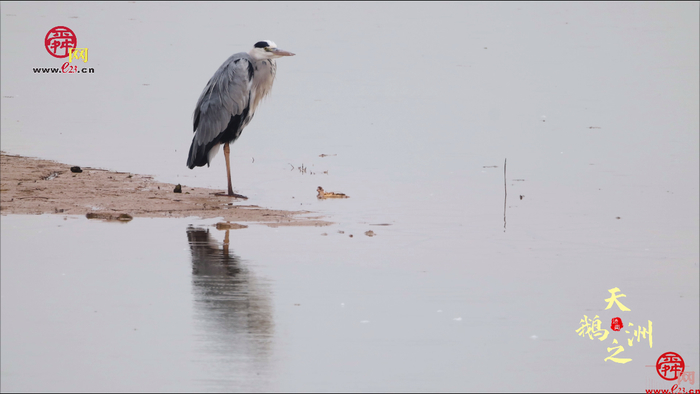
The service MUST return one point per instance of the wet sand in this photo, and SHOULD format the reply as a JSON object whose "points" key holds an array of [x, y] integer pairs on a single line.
{"points": [[35, 186]]}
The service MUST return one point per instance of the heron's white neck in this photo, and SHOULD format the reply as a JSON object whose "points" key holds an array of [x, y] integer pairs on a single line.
{"points": [[259, 54]]}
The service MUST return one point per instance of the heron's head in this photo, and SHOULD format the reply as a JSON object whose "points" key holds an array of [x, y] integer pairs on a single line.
{"points": [[267, 49]]}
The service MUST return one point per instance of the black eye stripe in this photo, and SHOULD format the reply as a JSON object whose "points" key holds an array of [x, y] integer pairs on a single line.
{"points": [[261, 44]]}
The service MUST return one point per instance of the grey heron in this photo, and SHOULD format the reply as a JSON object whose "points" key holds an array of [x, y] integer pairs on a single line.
{"points": [[228, 102]]}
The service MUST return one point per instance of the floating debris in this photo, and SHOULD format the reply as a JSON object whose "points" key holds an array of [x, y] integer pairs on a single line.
{"points": [[76, 169], [370, 233], [324, 194], [178, 189], [229, 226], [302, 168], [324, 154], [124, 217]]}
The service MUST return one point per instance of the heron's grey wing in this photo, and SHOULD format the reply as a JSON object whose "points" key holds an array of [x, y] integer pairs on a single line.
{"points": [[226, 95]]}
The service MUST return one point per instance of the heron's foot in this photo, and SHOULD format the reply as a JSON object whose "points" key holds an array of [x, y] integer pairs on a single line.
{"points": [[234, 195]]}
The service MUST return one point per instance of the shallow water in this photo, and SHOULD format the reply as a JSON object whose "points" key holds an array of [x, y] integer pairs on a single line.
{"points": [[166, 304], [593, 105]]}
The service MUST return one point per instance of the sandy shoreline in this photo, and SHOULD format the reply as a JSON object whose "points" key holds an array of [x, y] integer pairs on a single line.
{"points": [[36, 186]]}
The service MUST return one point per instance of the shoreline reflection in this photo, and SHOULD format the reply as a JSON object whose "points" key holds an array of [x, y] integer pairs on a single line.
{"points": [[232, 313]]}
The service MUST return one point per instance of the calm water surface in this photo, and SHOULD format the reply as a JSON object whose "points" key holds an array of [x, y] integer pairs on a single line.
{"points": [[595, 107]]}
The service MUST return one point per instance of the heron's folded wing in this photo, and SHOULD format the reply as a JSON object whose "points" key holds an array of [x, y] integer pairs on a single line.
{"points": [[226, 95]]}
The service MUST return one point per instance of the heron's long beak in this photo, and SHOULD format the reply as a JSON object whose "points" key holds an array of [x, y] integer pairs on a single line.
{"points": [[280, 52]]}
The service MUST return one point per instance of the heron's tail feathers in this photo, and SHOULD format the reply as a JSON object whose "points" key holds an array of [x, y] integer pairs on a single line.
{"points": [[201, 155]]}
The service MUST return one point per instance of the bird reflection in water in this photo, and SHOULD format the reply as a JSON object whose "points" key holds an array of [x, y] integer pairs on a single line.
{"points": [[233, 315]]}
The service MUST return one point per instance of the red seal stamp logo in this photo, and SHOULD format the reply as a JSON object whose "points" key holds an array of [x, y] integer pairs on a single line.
{"points": [[58, 40], [616, 324], [670, 366]]}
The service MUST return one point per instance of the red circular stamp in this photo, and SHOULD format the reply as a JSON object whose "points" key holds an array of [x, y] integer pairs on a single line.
{"points": [[616, 324], [59, 40], [670, 366]]}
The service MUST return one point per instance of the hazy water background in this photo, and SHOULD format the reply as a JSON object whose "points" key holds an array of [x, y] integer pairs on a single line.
{"points": [[595, 106]]}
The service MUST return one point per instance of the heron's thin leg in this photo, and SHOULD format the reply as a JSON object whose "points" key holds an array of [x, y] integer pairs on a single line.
{"points": [[227, 150]]}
